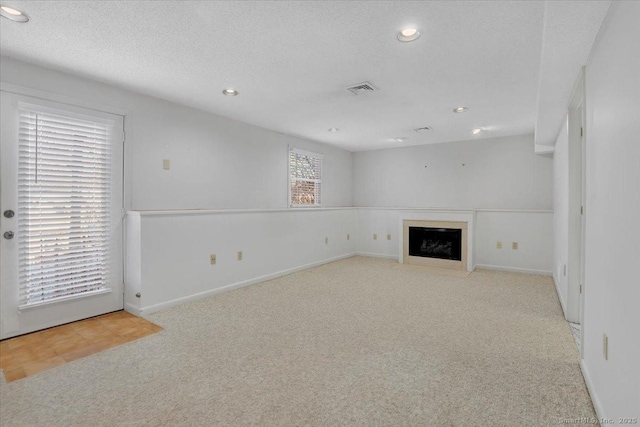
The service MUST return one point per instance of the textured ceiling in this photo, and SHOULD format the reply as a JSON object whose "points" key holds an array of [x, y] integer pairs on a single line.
{"points": [[568, 36], [291, 61]]}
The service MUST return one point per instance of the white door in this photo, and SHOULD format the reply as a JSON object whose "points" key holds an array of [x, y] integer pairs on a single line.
{"points": [[60, 214]]}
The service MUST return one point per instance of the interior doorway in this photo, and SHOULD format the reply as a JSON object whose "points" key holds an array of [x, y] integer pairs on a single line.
{"points": [[577, 207]]}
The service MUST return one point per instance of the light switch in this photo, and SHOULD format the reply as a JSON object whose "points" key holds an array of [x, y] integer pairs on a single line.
{"points": [[514, 246], [498, 245], [166, 164], [375, 236]]}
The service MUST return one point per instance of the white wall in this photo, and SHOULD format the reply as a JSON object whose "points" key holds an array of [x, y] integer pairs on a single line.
{"points": [[216, 163], [168, 252], [498, 173], [533, 230], [612, 275], [561, 214], [174, 266], [502, 179]]}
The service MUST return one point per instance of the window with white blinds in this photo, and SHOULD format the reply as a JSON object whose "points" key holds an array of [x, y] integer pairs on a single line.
{"points": [[64, 173], [305, 177]]}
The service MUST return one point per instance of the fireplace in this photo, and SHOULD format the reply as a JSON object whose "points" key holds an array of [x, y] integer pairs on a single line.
{"points": [[441, 244]]}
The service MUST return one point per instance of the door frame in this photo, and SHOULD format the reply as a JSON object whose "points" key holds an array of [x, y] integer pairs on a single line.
{"points": [[577, 210], [72, 101], [49, 97]]}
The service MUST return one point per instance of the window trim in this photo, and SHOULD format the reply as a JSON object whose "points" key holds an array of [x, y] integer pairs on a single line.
{"points": [[41, 105], [67, 123], [320, 156], [65, 298]]}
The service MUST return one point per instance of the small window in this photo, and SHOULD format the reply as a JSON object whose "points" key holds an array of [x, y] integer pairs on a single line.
{"points": [[305, 178]]}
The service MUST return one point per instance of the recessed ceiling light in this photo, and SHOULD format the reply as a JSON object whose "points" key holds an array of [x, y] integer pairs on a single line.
{"points": [[476, 131], [13, 14], [460, 109], [10, 10], [400, 139], [230, 92], [333, 129], [408, 34]]}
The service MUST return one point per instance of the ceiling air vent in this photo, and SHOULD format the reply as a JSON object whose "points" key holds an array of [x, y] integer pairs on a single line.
{"points": [[361, 88], [422, 129]]}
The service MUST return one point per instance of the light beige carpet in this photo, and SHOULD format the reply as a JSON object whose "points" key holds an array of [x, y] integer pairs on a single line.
{"points": [[357, 342]]}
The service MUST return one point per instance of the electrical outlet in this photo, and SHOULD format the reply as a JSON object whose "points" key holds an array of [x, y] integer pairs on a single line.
{"points": [[498, 245], [605, 346], [239, 255], [347, 237], [514, 246], [212, 259], [375, 236], [388, 236], [326, 240], [166, 164]]}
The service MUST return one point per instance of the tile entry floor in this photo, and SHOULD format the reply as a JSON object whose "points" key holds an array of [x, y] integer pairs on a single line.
{"points": [[32, 353]]}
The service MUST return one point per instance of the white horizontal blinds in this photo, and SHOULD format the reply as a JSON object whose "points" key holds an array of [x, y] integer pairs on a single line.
{"points": [[305, 175], [63, 206]]}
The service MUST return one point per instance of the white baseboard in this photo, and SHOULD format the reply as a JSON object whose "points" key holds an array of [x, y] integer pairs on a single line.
{"points": [[560, 297], [597, 405], [172, 303], [130, 308], [374, 255], [178, 301], [514, 269]]}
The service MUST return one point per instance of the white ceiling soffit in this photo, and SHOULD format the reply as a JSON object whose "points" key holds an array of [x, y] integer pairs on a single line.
{"points": [[291, 61], [569, 32]]}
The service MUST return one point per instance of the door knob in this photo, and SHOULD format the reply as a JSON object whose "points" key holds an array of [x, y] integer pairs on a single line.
{"points": [[8, 235], [9, 213]]}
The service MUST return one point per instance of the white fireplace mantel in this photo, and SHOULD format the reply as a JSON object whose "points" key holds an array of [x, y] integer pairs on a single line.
{"points": [[468, 216]]}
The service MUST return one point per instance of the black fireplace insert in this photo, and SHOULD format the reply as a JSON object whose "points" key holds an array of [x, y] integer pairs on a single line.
{"points": [[442, 243]]}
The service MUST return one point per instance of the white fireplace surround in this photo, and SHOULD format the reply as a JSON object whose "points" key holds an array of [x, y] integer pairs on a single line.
{"points": [[441, 215]]}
